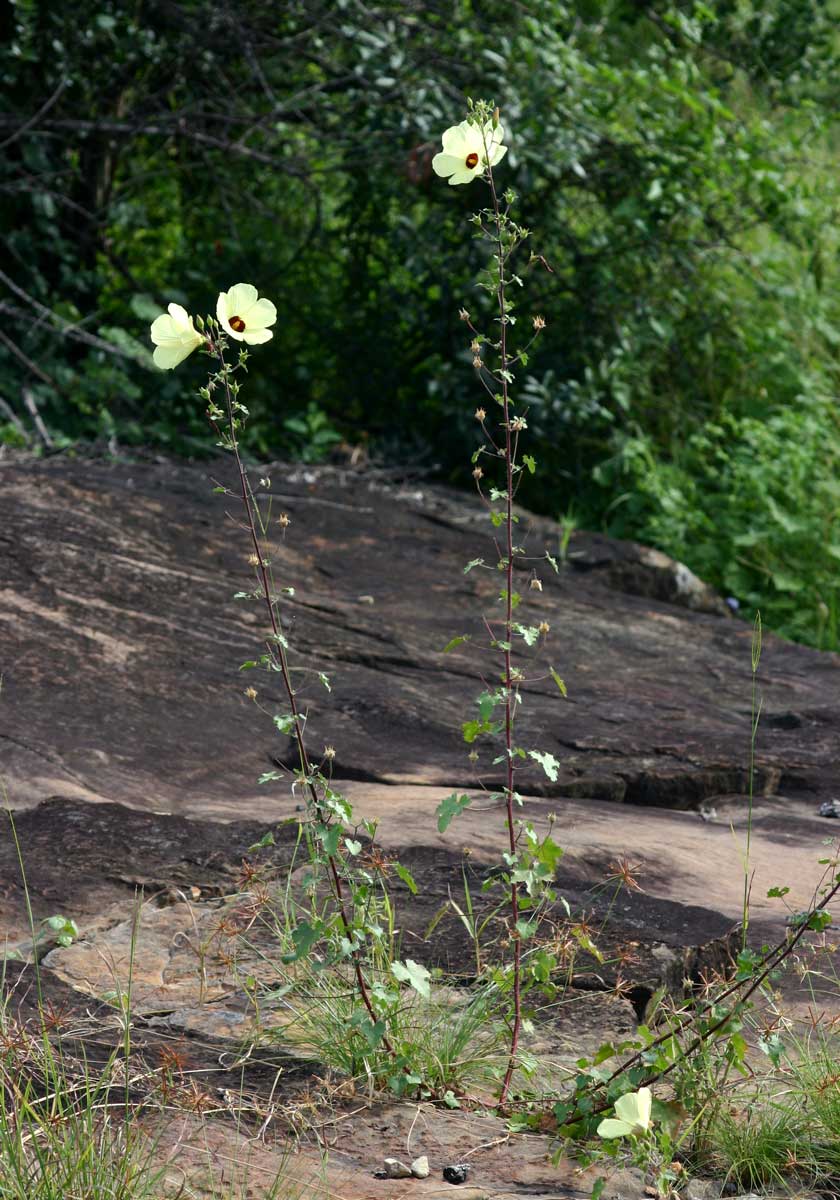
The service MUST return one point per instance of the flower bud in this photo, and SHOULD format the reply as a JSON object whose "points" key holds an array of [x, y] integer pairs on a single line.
{"points": [[480, 414], [538, 323], [284, 520], [477, 473], [463, 314], [535, 585]]}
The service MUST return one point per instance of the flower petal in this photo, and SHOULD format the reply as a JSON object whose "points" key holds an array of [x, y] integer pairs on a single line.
{"points": [[444, 164], [457, 138], [256, 337], [613, 1129], [634, 1109], [240, 298], [497, 153], [169, 356], [259, 315], [163, 329], [180, 316], [627, 1107], [222, 310], [464, 176]]}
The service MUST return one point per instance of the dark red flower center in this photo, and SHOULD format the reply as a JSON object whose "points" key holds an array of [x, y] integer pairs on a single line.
{"points": [[237, 324], [472, 160]]}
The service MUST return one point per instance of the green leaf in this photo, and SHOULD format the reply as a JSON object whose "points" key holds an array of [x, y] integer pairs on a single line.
{"points": [[530, 633], [547, 761], [286, 724], [405, 875], [247, 666], [372, 1033], [561, 685], [304, 937], [818, 920], [549, 853], [476, 562], [267, 839], [530, 463], [329, 836], [772, 1045], [736, 1049], [471, 730], [325, 680], [456, 641], [352, 846], [270, 776], [451, 807], [337, 804], [414, 974], [585, 942], [552, 563], [65, 929]]}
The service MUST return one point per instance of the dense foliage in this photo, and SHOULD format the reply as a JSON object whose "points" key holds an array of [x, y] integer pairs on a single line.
{"points": [[677, 158]]}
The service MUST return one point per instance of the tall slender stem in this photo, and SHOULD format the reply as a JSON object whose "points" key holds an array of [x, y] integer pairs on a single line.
{"points": [[755, 709], [508, 680], [277, 652]]}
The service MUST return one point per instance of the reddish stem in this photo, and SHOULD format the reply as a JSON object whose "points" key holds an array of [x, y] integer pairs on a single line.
{"points": [[508, 682], [277, 651]]}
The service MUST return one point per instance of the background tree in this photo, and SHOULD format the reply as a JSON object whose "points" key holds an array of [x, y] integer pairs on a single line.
{"points": [[677, 157]]}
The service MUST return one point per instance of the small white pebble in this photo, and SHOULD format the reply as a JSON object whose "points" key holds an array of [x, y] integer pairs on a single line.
{"points": [[420, 1167], [394, 1169]]}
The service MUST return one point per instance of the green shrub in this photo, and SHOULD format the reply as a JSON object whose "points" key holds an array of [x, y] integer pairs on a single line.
{"points": [[753, 505]]}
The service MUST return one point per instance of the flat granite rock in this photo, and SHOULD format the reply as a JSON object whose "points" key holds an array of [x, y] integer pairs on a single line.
{"points": [[121, 642]]}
